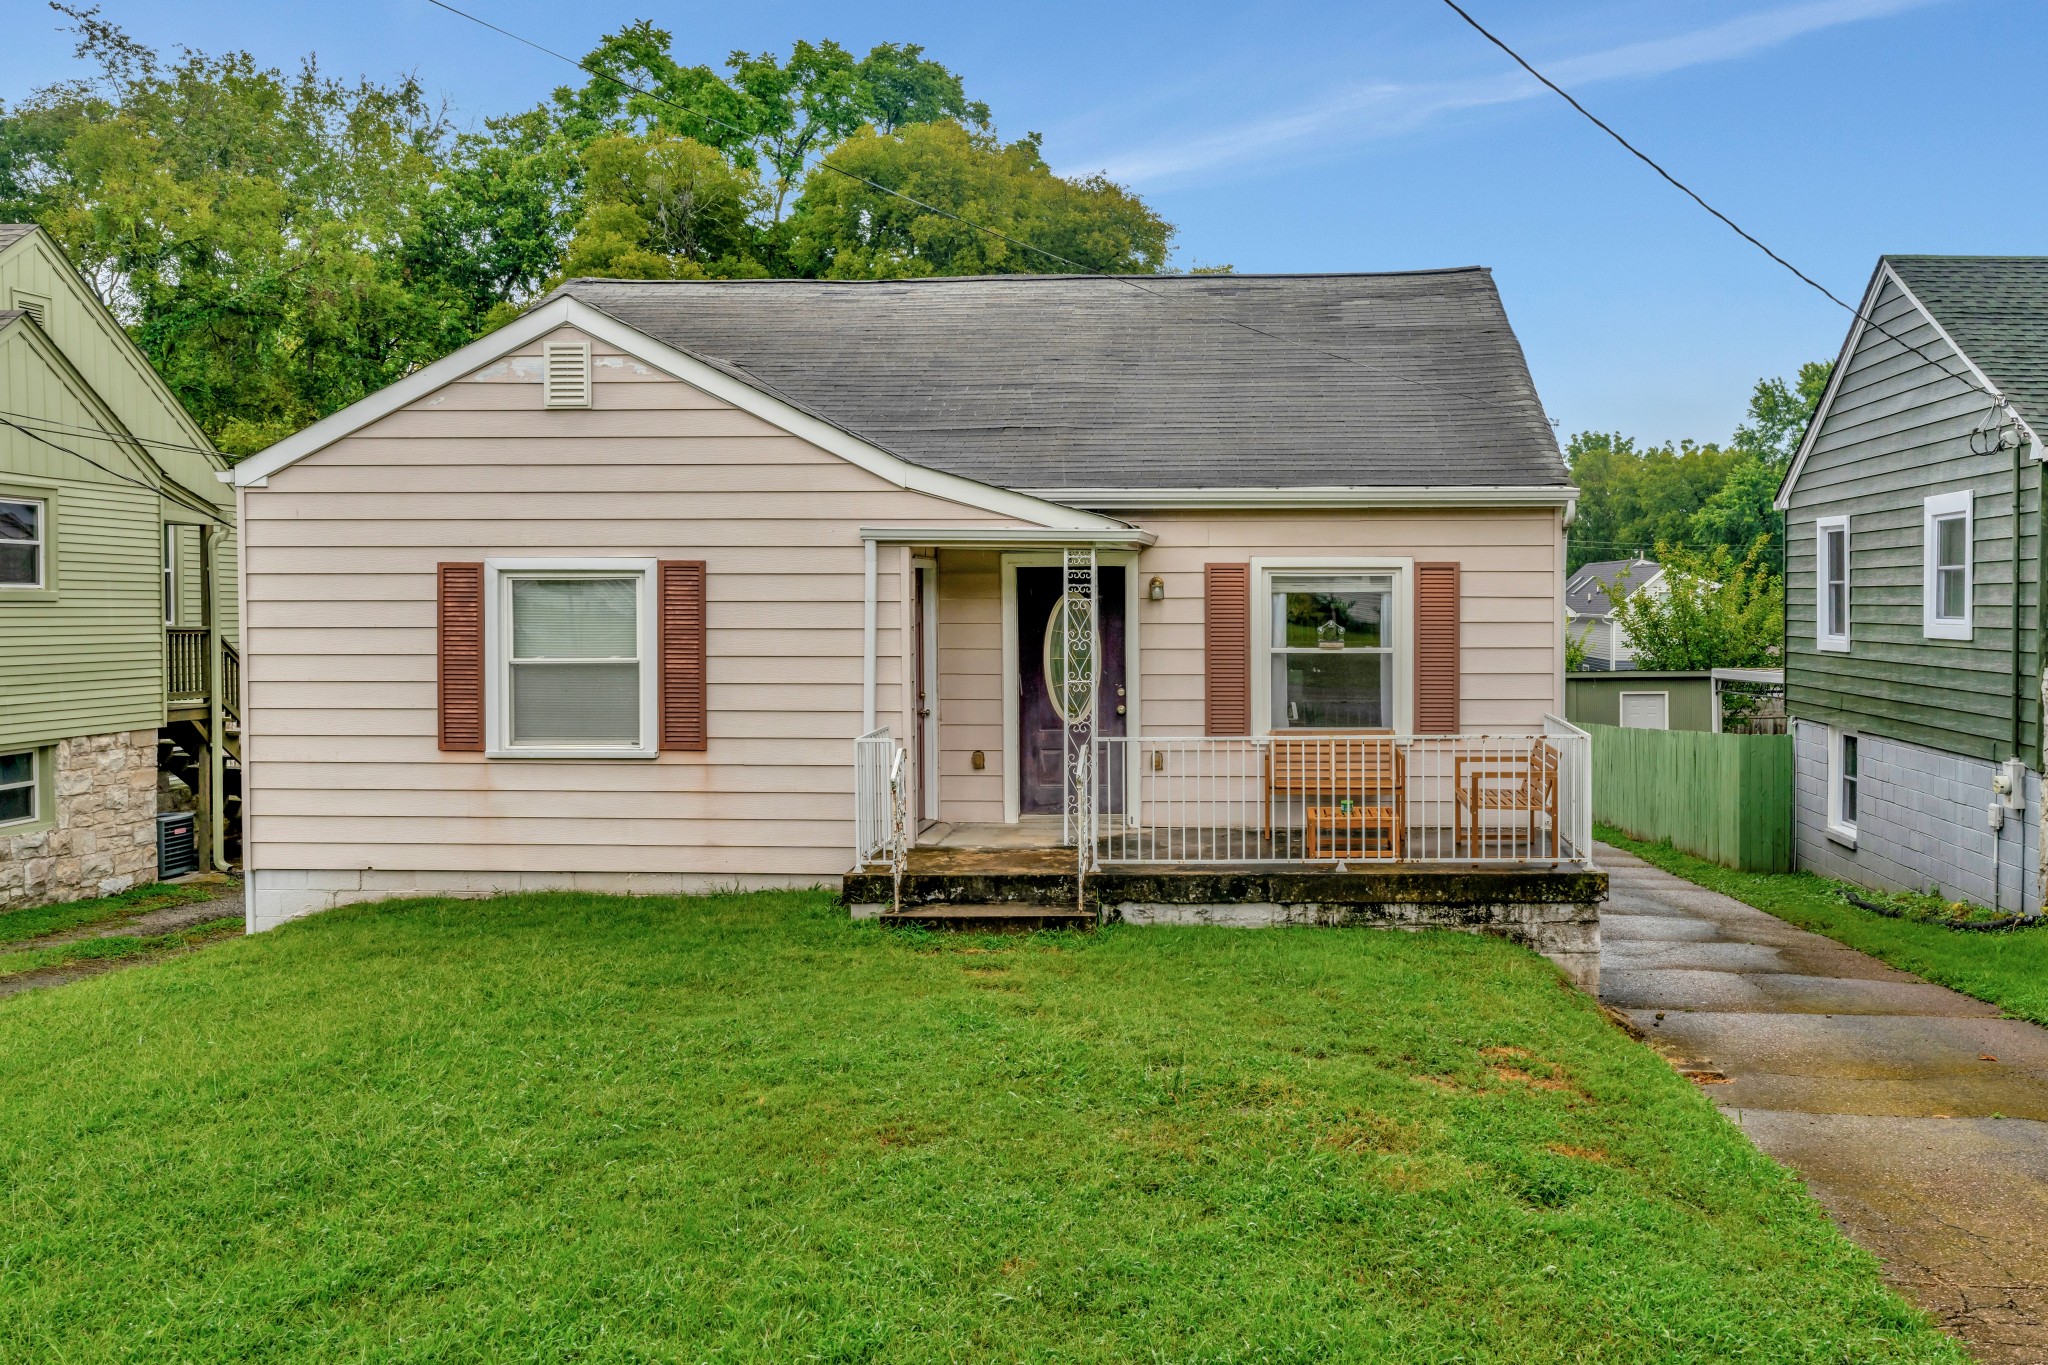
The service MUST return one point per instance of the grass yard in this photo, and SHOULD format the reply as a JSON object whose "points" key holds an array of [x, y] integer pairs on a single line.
{"points": [[2007, 968], [741, 1128]]}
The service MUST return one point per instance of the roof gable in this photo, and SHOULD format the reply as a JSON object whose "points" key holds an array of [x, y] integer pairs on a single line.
{"points": [[716, 380], [103, 353], [1066, 383], [1992, 314], [1585, 592]]}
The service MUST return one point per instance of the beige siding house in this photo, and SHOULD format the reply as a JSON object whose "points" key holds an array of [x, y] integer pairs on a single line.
{"points": [[610, 598]]}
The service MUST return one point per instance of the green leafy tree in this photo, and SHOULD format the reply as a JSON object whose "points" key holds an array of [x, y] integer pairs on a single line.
{"points": [[243, 223], [1710, 610], [1632, 498], [487, 232], [771, 115], [661, 207], [845, 229], [1779, 412], [1740, 514]]}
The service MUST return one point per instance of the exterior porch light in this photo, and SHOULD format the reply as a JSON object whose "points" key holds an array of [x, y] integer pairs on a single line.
{"points": [[1156, 589]]}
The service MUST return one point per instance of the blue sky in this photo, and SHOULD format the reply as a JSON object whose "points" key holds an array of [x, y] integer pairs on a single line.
{"points": [[1298, 136]]}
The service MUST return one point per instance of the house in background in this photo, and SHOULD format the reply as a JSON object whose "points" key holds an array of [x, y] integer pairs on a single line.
{"points": [[1913, 594], [606, 598], [1589, 608], [117, 551]]}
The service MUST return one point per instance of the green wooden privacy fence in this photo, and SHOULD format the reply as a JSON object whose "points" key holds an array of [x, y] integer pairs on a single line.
{"points": [[1727, 798]]}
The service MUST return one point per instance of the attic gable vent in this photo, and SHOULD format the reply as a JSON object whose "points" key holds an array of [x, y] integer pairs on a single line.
{"points": [[36, 307], [567, 382]]}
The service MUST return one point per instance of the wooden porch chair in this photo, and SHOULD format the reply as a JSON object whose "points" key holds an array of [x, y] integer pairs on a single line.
{"points": [[1328, 769], [1519, 783]]}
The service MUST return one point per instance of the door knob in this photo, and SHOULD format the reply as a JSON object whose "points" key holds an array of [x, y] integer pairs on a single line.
{"points": [[1119, 708]]}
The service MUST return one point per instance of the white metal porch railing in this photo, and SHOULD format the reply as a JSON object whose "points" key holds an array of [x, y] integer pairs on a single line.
{"points": [[881, 805], [1352, 799]]}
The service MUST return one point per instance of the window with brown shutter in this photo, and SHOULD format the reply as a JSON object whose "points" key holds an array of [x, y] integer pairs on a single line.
{"points": [[461, 667], [1437, 664], [684, 700], [1227, 648]]}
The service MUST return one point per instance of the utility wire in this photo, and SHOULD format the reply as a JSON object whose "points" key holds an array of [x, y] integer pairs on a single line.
{"points": [[1732, 225], [998, 234], [116, 474], [98, 434]]}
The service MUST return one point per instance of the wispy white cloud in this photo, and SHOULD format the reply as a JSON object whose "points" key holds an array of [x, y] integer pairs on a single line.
{"points": [[1378, 110]]}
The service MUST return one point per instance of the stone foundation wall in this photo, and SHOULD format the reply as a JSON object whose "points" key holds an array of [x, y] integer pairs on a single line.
{"points": [[101, 836]]}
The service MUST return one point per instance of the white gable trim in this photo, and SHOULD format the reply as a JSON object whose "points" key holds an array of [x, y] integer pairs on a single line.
{"points": [[569, 312], [1884, 275]]}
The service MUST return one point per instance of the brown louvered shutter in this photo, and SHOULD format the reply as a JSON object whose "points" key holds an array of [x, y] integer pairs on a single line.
{"points": [[1436, 649], [461, 630], [1227, 648], [684, 725]]}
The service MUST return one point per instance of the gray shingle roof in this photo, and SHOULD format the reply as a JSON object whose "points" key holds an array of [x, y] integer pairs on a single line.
{"points": [[1061, 381], [1996, 308], [1584, 592], [10, 233]]}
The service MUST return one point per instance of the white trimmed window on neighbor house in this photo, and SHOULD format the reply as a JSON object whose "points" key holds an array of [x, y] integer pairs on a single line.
{"points": [[1947, 591], [1844, 784], [1831, 584], [19, 798], [23, 537]]}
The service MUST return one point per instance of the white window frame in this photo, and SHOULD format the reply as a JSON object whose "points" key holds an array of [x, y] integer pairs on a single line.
{"points": [[1621, 710], [1937, 509], [1835, 641], [498, 576], [1839, 829], [1400, 631], [35, 789], [170, 574], [41, 542]]}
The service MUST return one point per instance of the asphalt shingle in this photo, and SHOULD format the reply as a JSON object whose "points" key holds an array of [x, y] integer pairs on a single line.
{"points": [[1069, 382], [1996, 308]]}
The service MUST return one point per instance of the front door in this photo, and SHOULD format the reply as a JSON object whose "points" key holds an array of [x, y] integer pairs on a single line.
{"points": [[1041, 730]]}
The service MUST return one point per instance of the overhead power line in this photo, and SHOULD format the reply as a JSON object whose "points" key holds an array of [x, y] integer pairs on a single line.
{"points": [[1732, 225], [97, 434], [192, 506], [995, 233]]}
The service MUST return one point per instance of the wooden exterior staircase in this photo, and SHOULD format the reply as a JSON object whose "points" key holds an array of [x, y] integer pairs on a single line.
{"points": [[203, 713]]}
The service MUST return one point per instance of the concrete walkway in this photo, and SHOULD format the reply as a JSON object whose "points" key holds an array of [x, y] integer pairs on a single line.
{"points": [[1917, 1116]]}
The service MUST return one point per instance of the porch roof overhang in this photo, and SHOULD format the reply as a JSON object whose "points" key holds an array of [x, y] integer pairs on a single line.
{"points": [[1009, 537]]}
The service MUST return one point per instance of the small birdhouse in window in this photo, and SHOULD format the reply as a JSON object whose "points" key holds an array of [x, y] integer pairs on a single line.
{"points": [[1330, 635]]}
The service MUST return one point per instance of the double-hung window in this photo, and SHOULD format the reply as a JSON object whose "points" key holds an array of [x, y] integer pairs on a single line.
{"points": [[1844, 784], [18, 787], [573, 644], [1330, 646], [24, 536], [1947, 592], [1831, 583]]}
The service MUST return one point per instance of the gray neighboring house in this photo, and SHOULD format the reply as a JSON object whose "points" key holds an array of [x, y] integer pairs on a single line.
{"points": [[1913, 594], [1589, 609]]}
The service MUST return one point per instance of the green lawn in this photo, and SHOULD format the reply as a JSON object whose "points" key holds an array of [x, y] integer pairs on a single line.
{"points": [[2009, 968], [19, 925], [555, 1127]]}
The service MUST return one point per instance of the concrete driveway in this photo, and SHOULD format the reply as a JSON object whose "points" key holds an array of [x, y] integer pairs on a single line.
{"points": [[1917, 1116]]}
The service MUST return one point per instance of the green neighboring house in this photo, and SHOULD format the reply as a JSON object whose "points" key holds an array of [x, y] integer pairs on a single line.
{"points": [[1913, 592], [117, 621]]}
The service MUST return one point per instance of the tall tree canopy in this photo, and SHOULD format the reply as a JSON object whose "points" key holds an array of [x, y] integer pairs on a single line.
{"points": [[1702, 496], [280, 245]]}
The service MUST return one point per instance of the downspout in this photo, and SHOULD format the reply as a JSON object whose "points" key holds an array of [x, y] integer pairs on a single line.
{"points": [[867, 627], [2019, 451]]}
